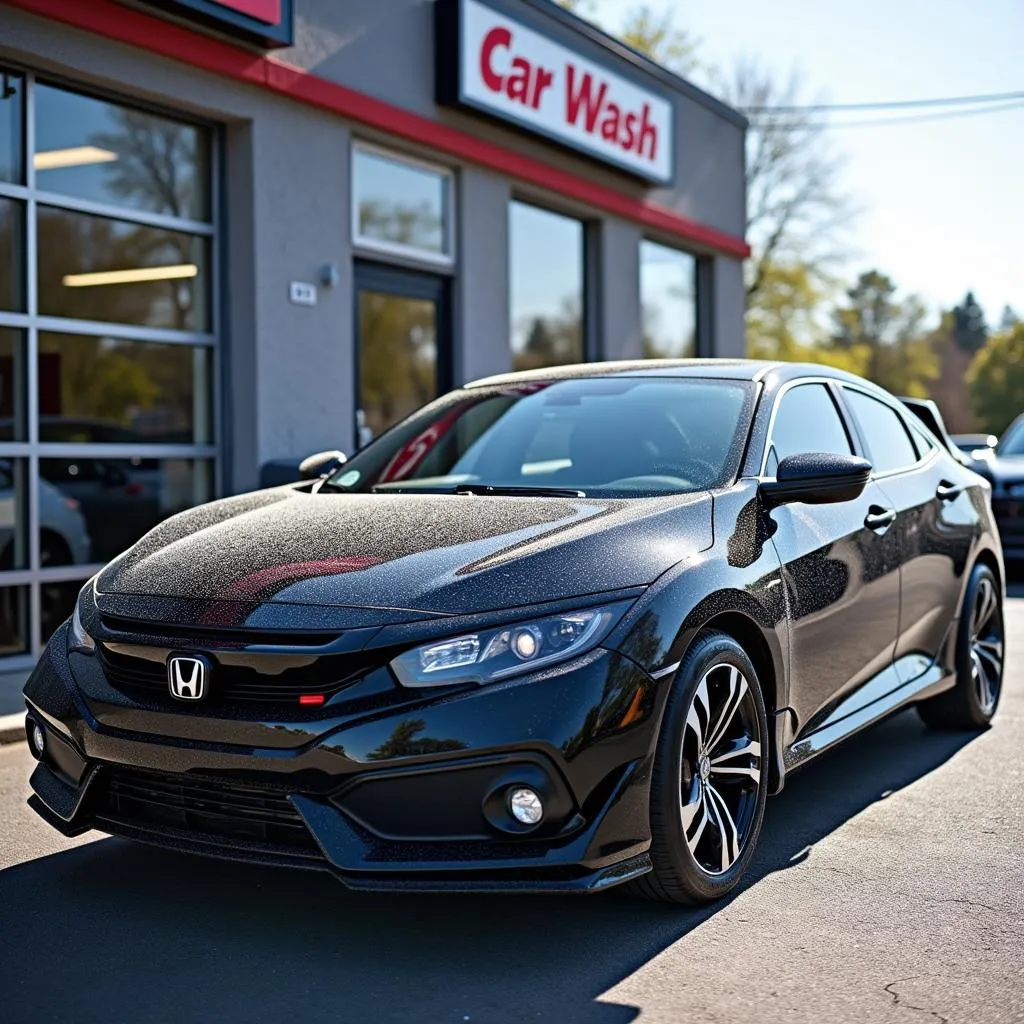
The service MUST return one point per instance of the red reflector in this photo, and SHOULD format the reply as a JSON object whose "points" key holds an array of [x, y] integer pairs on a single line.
{"points": [[311, 699]]}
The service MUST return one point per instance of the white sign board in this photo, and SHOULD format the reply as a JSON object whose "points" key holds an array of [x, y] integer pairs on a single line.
{"points": [[302, 294], [512, 71]]}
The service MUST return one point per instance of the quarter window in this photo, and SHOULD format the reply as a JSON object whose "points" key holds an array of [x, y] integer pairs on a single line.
{"points": [[889, 444], [807, 421]]}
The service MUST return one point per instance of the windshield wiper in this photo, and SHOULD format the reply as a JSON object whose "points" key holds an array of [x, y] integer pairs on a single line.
{"points": [[512, 491], [487, 490]]}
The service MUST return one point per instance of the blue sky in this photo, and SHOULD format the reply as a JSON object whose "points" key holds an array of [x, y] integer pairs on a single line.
{"points": [[942, 203]]}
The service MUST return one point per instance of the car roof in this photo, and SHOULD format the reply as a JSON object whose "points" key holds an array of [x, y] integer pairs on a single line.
{"points": [[721, 369]]}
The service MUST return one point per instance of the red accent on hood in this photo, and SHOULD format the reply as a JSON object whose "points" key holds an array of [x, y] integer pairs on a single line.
{"points": [[237, 602]]}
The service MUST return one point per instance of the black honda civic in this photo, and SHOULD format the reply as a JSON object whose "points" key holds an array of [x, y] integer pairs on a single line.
{"points": [[557, 630]]}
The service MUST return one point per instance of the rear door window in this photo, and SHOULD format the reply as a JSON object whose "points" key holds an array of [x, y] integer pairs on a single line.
{"points": [[889, 444]]}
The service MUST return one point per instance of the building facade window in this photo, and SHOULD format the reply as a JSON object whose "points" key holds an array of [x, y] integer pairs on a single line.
{"points": [[403, 231], [402, 207], [107, 340], [546, 287], [668, 302]]}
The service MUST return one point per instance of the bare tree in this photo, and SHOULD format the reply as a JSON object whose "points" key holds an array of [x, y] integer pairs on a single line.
{"points": [[797, 210]]}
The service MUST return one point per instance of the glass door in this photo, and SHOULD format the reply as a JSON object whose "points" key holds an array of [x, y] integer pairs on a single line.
{"points": [[402, 345]]}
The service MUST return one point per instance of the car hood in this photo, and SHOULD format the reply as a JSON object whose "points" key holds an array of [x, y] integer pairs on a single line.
{"points": [[431, 554]]}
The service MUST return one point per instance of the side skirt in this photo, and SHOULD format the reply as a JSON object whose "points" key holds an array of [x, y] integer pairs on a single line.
{"points": [[880, 697]]}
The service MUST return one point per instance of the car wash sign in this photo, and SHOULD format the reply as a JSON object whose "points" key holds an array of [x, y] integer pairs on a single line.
{"points": [[497, 64]]}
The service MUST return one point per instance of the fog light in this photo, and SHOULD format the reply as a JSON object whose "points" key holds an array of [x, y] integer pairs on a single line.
{"points": [[526, 806], [38, 739]]}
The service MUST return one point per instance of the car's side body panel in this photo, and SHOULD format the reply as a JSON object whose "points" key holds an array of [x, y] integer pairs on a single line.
{"points": [[843, 588]]}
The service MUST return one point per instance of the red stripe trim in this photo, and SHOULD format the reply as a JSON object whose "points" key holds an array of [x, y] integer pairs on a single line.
{"points": [[126, 25]]}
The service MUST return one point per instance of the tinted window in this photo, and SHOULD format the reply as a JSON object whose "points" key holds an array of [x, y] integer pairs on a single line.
{"points": [[618, 436], [96, 268], [668, 302], [92, 149], [402, 205], [12, 87], [546, 283], [807, 421], [889, 444]]}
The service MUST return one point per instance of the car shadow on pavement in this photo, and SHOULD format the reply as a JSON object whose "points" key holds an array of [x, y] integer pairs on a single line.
{"points": [[113, 931]]}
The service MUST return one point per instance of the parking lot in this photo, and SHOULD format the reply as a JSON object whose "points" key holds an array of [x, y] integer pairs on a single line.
{"points": [[889, 886]]}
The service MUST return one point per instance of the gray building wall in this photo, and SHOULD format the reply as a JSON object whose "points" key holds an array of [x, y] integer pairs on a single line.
{"points": [[363, 44], [288, 385]]}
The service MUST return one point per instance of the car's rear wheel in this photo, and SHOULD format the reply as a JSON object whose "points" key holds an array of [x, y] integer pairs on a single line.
{"points": [[708, 785], [980, 652]]}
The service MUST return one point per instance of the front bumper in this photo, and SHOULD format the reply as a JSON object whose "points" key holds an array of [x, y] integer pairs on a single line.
{"points": [[409, 797]]}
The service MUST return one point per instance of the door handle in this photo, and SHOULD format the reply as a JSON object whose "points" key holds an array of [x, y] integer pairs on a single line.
{"points": [[947, 491], [879, 519]]}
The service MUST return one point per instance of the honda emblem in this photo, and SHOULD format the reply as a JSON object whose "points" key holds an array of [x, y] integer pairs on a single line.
{"points": [[187, 676]]}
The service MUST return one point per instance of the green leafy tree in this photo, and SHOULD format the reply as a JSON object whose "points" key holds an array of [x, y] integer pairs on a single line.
{"points": [[653, 33], [970, 329], [786, 322], [888, 331], [1008, 318], [995, 381]]}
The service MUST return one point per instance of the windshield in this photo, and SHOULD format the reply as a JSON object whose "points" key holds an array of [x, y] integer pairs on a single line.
{"points": [[1013, 440], [616, 436]]}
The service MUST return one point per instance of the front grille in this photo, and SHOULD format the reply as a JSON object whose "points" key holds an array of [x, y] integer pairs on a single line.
{"points": [[225, 635], [207, 809], [147, 678]]}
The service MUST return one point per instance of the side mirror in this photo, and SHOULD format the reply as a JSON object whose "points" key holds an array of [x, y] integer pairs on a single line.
{"points": [[817, 478], [320, 465]]}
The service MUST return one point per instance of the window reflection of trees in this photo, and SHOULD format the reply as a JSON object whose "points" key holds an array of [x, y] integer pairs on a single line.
{"points": [[666, 334], [142, 387], [161, 165], [75, 243], [398, 356], [397, 223], [551, 340]]}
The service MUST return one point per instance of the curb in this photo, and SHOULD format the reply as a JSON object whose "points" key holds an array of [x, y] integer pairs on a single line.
{"points": [[12, 728]]}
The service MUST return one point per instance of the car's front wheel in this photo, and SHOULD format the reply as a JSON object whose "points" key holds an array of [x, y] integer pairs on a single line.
{"points": [[708, 785]]}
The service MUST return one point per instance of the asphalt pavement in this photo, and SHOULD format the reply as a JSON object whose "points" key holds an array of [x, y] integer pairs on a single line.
{"points": [[889, 886]]}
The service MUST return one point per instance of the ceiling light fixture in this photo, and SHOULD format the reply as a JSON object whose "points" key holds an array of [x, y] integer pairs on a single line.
{"points": [[77, 156], [171, 273]]}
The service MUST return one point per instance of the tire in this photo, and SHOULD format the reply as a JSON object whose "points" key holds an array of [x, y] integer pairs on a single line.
{"points": [[706, 780], [980, 655]]}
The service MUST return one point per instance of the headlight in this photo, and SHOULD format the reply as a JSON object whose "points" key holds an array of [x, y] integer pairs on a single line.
{"points": [[495, 654], [78, 638]]}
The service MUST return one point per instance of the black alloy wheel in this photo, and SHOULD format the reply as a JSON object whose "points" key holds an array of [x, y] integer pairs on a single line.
{"points": [[709, 782], [979, 659]]}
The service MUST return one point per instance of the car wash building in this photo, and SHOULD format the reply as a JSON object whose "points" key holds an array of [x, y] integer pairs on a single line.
{"points": [[233, 233]]}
